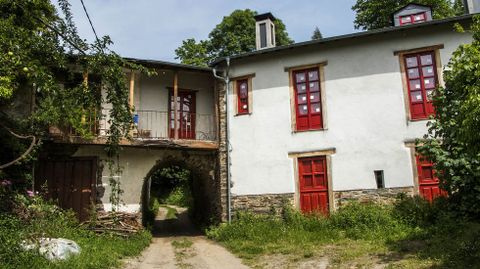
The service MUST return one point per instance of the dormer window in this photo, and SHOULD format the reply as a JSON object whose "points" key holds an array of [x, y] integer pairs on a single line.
{"points": [[412, 14], [415, 18]]}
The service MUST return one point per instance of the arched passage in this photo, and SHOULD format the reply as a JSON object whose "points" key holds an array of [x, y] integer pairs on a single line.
{"points": [[194, 174]]}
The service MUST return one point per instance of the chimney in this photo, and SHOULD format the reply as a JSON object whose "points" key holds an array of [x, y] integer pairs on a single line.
{"points": [[472, 6], [265, 31]]}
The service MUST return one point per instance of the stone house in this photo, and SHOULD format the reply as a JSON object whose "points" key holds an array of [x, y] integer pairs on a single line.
{"points": [[316, 123]]}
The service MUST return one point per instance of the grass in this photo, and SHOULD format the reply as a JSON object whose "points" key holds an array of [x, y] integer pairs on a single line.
{"points": [[43, 220], [183, 243], [171, 212], [412, 234], [183, 251]]}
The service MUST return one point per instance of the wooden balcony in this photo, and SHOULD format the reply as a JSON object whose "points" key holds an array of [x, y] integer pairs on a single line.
{"points": [[151, 128]]}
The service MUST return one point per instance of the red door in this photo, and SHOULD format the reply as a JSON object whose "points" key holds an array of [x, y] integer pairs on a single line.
{"points": [[428, 184], [185, 115], [313, 184]]}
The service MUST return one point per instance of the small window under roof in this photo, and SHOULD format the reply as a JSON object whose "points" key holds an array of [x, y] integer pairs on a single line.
{"points": [[411, 14]]}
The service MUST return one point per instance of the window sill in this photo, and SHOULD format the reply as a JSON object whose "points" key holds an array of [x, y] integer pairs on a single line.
{"points": [[419, 119], [243, 114], [310, 130]]}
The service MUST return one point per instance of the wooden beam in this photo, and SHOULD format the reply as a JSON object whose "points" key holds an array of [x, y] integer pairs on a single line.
{"points": [[132, 90], [131, 96], [175, 106], [415, 50], [305, 66], [85, 84]]}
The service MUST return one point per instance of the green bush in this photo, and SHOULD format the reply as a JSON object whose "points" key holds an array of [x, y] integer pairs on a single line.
{"points": [[366, 221], [417, 211], [32, 218], [180, 196]]}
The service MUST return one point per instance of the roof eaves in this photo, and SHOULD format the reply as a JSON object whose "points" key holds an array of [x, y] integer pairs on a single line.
{"points": [[344, 37], [169, 64]]}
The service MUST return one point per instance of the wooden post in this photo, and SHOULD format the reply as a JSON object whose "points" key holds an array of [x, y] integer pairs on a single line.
{"points": [[131, 96], [175, 102], [85, 84], [132, 90]]}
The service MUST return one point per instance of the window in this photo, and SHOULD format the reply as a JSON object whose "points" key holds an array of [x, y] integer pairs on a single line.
{"points": [[263, 35], [242, 96], [414, 18], [379, 179], [308, 105], [422, 80]]}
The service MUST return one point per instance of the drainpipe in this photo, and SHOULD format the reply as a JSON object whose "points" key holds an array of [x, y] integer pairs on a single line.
{"points": [[226, 79]]}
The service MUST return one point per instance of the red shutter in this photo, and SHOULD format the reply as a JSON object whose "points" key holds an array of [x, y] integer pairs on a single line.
{"points": [[313, 184], [242, 96], [308, 105], [428, 184], [422, 80]]}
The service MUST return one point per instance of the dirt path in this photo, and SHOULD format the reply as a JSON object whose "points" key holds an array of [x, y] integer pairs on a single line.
{"points": [[177, 244]]}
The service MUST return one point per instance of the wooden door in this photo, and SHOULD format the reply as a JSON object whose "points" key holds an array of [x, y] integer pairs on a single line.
{"points": [[186, 116], [313, 184], [428, 184], [69, 182]]}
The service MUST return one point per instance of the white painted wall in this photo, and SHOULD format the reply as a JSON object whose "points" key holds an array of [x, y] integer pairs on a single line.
{"points": [[367, 121], [151, 94], [151, 102]]}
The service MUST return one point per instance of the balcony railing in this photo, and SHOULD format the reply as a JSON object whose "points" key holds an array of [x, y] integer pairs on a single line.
{"points": [[153, 124]]}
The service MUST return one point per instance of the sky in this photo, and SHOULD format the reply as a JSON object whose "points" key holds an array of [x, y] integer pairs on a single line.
{"points": [[153, 29]]}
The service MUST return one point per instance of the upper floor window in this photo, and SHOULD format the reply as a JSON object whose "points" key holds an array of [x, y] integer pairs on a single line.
{"points": [[422, 80], [414, 18], [242, 91], [242, 96], [308, 105]]}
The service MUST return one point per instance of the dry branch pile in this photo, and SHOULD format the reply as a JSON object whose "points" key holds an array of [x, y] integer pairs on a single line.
{"points": [[118, 223]]}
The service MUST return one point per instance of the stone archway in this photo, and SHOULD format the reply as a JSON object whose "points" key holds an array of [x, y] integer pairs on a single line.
{"points": [[203, 182]]}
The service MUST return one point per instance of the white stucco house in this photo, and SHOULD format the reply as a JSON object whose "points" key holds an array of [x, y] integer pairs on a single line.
{"points": [[327, 121], [316, 123]]}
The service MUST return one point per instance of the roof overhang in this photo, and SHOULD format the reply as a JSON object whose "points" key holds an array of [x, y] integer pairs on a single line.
{"points": [[353, 36]]}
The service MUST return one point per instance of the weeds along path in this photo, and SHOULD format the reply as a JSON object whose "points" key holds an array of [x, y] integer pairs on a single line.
{"points": [[178, 244]]}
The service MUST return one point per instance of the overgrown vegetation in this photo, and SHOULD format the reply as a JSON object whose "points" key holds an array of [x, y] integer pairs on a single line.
{"points": [[169, 186], [411, 234], [25, 218], [452, 143]]}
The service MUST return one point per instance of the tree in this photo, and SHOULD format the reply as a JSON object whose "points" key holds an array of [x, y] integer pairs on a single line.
{"points": [[373, 14], [234, 35], [39, 47], [453, 139], [193, 53], [316, 34]]}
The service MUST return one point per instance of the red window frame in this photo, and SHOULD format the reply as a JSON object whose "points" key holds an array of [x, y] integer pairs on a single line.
{"points": [[422, 80], [186, 114], [413, 18], [242, 97], [308, 99], [313, 183]]}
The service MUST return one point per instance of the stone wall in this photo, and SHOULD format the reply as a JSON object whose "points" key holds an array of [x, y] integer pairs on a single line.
{"points": [[262, 204], [381, 196], [222, 190]]}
